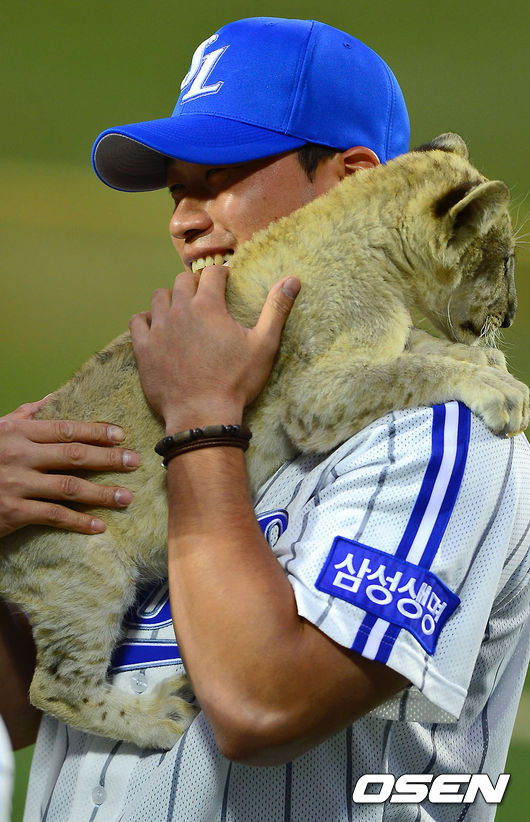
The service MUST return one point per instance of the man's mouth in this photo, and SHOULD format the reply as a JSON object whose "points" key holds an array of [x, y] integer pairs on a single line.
{"points": [[217, 259]]}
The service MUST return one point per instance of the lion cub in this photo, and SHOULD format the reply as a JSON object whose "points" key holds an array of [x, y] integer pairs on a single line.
{"points": [[427, 230]]}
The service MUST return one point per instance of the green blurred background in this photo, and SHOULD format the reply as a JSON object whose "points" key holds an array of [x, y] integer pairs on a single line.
{"points": [[78, 258]]}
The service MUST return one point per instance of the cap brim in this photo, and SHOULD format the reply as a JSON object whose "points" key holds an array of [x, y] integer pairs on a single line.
{"points": [[134, 157]]}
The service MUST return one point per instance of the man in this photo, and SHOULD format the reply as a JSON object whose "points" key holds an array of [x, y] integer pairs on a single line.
{"points": [[295, 656]]}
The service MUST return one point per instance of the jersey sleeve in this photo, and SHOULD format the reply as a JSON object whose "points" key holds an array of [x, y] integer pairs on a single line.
{"points": [[397, 552]]}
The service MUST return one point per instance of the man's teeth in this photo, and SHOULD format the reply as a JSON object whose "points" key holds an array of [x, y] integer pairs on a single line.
{"points": [[202, 262]]}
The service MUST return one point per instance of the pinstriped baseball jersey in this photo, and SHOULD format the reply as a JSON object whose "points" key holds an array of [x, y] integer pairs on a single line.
{"points": [[408, 544]]}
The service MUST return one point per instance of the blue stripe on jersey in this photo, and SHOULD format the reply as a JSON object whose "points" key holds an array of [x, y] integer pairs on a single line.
{"points": [[363, 633], [131, 654], [451, 424], [453, 487], [429, 479], [387, 643]]}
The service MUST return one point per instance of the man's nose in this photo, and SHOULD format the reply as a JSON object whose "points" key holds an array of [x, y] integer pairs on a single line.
{"points": [[189, 217]]}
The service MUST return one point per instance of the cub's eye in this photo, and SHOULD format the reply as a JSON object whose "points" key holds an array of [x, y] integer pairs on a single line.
{"points": [[509, 265]]}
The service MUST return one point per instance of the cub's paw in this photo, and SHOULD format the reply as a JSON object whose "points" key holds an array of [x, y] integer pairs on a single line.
{"points": [[495, 358], [168, 712], [420, 342], [477, 355], [501, 401]]}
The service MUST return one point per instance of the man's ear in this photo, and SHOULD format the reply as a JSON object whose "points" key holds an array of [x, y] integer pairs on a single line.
{"points": [[358, 157]]}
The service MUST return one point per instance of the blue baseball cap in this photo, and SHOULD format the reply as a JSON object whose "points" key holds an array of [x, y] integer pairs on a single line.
{"points": [[258, 87]]}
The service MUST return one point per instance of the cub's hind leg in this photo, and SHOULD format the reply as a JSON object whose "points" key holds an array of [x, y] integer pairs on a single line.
{"points": [[155, 720], [75, 635]]}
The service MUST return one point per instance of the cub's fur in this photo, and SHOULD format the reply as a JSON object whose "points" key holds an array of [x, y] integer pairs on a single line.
{"points": [[427, 231]]}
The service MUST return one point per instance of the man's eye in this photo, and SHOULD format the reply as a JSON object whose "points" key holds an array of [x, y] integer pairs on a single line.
{"points": [[176, 192], [217, 176], [225, 175]]}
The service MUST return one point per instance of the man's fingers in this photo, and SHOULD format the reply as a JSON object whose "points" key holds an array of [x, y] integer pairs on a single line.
{"points": [[56, 516], [75, 489], [160, 302], [140, 323], [30, 497], [55, 431], [27, 409], [185, 285], [213, 281], [78, 456], [277, 307], [211, 291], [50, 445]]}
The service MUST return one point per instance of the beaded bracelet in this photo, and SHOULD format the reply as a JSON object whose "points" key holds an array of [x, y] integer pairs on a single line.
{"points": [[194, 438]]}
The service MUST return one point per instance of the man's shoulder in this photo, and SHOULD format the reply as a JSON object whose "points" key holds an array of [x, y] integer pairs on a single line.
{"points": [[450, 424], [400, 447], [431, 445]]}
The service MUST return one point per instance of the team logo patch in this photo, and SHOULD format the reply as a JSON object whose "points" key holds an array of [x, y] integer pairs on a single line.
{"points": [[389, 588], [273, 524], [150, 612]]}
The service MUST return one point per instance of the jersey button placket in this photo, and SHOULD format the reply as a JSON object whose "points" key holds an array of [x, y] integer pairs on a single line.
{"points": [[99, 794], [138, 682]]}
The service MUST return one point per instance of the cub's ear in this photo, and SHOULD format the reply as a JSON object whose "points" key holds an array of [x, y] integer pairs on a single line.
{"points": [[447, 142], [474, 213]]}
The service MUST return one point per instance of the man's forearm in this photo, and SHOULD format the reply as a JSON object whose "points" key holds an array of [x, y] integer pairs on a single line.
{"points": [[233, 607]]}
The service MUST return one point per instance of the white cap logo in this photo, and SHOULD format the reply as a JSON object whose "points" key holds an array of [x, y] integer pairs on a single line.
{"points": [[200, 69]]}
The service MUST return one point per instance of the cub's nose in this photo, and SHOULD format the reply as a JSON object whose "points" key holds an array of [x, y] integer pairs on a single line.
{"points": [[508, 318]]}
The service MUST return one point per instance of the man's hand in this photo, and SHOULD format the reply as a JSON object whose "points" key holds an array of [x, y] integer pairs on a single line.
{"points": [[197, 365], [30, 448]]}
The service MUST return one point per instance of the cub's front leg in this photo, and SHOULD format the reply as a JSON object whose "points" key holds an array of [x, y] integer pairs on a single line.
{"points": [[347, 389], [420, 342]]}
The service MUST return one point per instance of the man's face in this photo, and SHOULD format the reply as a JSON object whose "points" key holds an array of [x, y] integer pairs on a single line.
{"points": [[218, 208]]}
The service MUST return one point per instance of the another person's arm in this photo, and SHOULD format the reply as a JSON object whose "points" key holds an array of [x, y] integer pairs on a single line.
{"points": [[29, 494]]}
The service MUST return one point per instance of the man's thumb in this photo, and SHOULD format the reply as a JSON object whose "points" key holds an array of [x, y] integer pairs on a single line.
{"points": [[276, 309]]}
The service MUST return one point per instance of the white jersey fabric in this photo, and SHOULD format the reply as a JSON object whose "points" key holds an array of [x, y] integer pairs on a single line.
{"points": [[409, 544], [7, 770]]}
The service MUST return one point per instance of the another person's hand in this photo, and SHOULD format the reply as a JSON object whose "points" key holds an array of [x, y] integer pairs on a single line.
{"points": [[197, 365], [31, 448]]}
